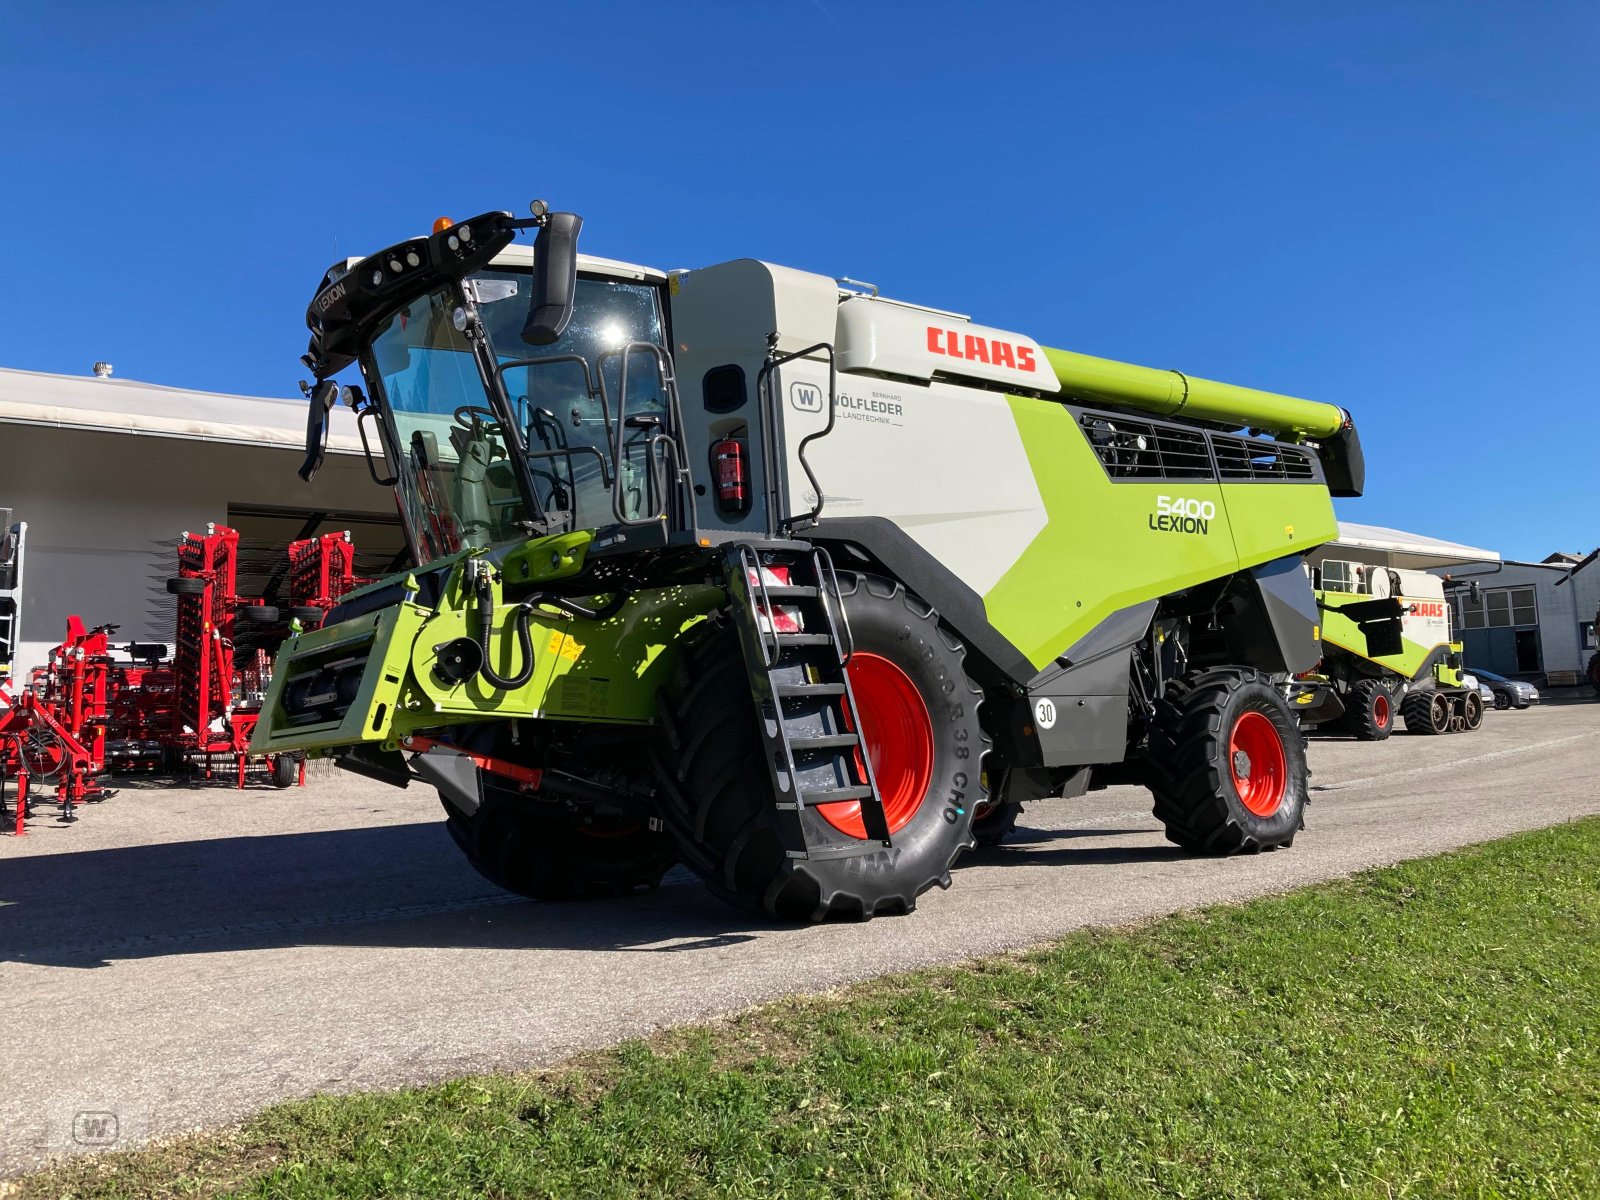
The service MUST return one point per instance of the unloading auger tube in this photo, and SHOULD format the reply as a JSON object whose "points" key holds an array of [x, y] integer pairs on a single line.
{"points": [[1174, 394]]}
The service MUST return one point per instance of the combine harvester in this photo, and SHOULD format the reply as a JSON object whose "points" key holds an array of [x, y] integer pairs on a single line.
{"points": [[805, 587], [1378, 668]]}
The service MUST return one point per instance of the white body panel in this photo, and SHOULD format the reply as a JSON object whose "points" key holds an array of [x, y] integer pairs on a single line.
{"points": [[903, 439], [882, 337]]}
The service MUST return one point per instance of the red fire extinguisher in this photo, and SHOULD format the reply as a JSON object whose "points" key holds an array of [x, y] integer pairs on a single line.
{"points": [[728, 467]]}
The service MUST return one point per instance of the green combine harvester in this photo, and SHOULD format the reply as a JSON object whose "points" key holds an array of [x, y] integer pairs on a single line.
{"points": [[1389, 646], [803, 587]]}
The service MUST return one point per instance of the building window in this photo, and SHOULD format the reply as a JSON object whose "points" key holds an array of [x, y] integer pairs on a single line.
{"points": [[1587, 633], [1501, 608]]}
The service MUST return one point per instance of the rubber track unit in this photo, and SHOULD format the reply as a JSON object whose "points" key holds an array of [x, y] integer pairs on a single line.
{"points": [[1187, 756], [1361, 713], [717, 798], [1417, 713], [535, 849]]}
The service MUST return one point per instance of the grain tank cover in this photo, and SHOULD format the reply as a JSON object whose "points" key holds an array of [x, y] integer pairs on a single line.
{"points": [[883, 337]]}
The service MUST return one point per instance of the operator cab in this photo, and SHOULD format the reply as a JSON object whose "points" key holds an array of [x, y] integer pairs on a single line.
{"points": [[498, 421]]}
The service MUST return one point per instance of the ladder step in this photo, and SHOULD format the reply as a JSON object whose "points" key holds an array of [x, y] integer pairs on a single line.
{"points": [[828, 741], [804, 639], [832, 795], [796, 691], [787, 591]]}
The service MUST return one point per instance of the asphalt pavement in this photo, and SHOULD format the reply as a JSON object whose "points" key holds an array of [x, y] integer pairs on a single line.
{"points": [[183, 956]]}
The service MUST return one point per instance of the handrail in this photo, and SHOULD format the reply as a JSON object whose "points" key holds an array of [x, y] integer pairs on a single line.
{"points": [[774, 406]]}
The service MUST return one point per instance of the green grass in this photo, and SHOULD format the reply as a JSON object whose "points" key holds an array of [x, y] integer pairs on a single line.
{"points": [[1429, 1029]]}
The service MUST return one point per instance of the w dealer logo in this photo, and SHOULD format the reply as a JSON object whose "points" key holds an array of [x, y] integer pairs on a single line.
{"points": [[806, 397]]}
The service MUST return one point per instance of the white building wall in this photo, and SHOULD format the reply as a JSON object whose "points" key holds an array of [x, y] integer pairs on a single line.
{"points": [[101, 506]]}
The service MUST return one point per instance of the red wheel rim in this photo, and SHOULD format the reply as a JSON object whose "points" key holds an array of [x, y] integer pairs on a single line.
{"points": [[1380, 710], [899, 735], [1258, 764]]}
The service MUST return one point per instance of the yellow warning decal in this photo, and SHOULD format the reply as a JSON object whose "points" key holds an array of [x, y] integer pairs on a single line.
{"points": [[564, 646]]}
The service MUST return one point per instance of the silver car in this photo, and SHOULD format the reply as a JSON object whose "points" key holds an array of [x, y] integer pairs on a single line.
{"points": [[1485, 692], [1508, 693]]}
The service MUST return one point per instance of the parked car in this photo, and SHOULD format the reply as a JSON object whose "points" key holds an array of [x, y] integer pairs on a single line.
{"points": [[1508, 693], [1485, 692]]}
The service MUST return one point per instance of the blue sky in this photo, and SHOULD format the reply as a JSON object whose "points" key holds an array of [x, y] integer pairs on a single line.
{"points": [[1393, 207]]}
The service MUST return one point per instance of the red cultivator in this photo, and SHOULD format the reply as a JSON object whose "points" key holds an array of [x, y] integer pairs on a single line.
{"points": [[89, 711], [54, 731]]}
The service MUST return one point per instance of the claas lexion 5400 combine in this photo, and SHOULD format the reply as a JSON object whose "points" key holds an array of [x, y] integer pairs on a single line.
{"points": [[806, 588]]}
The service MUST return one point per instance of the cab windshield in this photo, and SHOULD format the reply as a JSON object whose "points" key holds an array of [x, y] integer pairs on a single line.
{"points": [[566, 422], [457, 482], [457, 485]]}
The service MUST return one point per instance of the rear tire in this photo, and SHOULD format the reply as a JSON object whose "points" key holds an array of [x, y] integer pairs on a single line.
{"points": [[1226, 762], [1594, 673], [994, 821], [1370, 712], [545, 852], [717, 796], [1426, 712]]}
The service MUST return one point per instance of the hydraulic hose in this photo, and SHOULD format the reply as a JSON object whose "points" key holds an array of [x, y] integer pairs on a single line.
{"points": [[521, 620], [607, 610], [523, 616]]}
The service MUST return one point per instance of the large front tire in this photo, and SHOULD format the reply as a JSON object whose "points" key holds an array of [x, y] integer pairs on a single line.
{"points": [[546, 852], [717, 796], [1227, 764]]}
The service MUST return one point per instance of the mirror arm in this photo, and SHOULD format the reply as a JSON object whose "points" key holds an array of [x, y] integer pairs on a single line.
{"points": [[320, 398]]}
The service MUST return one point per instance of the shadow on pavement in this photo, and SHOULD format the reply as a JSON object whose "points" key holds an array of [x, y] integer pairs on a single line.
{"points": [[383, 886], [393, 886]]}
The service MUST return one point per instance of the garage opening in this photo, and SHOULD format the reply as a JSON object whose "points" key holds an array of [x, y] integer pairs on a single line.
{"points": [[265, 533]]}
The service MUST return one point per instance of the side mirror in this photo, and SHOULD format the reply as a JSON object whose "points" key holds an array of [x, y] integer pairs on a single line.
{"points": [[555, 279], [1475, 590], [322, 397]]}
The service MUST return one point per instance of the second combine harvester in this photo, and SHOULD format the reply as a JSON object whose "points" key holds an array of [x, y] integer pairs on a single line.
{"points": [[804, 587]]}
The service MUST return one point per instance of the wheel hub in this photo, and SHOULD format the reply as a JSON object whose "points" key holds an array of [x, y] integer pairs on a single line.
{"points": [[898, 733], [1258, 763]]}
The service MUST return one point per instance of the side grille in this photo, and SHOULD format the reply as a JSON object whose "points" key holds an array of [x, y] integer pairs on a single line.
{"points": [[1238, 458], [1136, 450]]}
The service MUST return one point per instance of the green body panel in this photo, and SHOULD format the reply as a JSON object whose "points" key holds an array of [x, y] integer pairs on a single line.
{"points": [[605, 670], [1345, 636], [1171, 393], [595, 671], [1104, 549], [382, 640]]}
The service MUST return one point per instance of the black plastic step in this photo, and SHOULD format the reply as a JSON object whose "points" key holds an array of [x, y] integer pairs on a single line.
{"points": [[798, 691], [833, 795], [828, 741], [803, 639], [786, 591]]}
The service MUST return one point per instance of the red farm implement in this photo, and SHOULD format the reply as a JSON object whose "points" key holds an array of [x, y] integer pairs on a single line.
{"points": [[95, 708], [53, 732]]}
